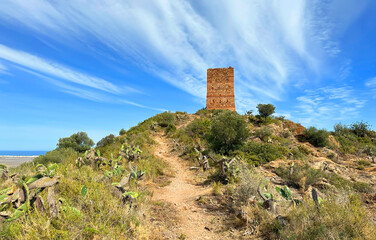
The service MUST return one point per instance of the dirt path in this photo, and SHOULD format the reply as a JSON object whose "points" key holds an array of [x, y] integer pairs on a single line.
{"points": [[194, 222]]}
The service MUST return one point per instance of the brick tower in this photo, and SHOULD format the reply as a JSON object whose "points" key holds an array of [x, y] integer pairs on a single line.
{"points": [[220, 92]]}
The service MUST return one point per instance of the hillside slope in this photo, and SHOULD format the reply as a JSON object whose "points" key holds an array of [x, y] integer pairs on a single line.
{"points": [[209, 175]]}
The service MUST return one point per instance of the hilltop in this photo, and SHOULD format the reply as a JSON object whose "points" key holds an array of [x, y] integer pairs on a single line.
{"points": [[209, 175]]}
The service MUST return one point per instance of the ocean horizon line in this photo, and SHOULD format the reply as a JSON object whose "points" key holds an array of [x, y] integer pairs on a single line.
{"points": [[19, 153]]}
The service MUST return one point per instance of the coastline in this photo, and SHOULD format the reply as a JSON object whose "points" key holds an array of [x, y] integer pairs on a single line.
{"points": [[14, 161]]}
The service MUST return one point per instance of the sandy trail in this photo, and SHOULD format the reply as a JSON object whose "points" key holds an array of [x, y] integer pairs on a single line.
{"points": [[194, 222]]}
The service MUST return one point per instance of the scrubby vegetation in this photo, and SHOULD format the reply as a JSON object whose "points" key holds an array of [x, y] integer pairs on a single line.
{"points": [[88, 204], [339, 217], [259, 153], [357, 138], [273, 178]]}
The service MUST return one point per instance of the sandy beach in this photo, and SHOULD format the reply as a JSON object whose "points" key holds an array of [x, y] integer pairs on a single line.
{"points": [[14, 161]]}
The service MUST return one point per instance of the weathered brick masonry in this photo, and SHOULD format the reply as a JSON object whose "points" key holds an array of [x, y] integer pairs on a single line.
{"points": [[220, 92]]}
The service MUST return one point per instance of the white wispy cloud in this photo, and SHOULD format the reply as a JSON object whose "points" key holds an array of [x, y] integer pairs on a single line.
{"points": [[88, 94], [269, 43], [330, 104], [54, 69]]}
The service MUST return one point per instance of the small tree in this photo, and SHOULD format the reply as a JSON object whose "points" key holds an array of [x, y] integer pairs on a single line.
{"points": [[80, 142], [265, 110], [106, 140], [122, 131], [360, 129], [228, 131]]}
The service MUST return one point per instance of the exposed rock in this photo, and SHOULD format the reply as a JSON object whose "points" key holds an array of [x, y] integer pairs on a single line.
{"points": [[333, 141]]}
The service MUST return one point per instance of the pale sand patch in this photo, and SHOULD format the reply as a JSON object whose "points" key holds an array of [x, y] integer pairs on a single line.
{"points": [[14, 161]]}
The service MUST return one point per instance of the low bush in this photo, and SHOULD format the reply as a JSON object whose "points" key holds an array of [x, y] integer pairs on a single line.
{"points": [[248, 181], [299, 153], [338, 218], [228, 132], [57, 156], [357, 138], [259, 153], [199, 127], [318, 138], [263, 133], [170, 129], [360, 129], [164, 119], [302, 176], [364, 163]]}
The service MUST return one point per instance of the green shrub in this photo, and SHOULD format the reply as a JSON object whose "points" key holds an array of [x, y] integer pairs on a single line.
{"points": [[170, 129], [122, 131], [263, 133], [364, 163], [302, 177], [228, 132], [340, 129], [106, 140], [348, 143], [260, 153], [338, 218], [204, 113], [286, 134], [198, 127], [80, 142], [360, 167], [342, 183], [165, 118], [318, 138], [57, 156], [269, 120], [299, 153], [360, 129], [369, 150]]}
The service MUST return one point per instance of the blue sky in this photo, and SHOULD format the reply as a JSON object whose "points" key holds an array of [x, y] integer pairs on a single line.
{"points": [[99, 66]]}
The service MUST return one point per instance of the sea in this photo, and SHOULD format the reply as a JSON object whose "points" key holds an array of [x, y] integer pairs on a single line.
{"points": [[21, 153]]}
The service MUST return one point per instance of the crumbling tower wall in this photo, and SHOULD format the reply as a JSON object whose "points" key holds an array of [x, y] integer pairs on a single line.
{"points": [[220, 89]]}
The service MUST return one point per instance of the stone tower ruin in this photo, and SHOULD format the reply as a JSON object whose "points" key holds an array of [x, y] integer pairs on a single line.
{"points": [[220, 89]]}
